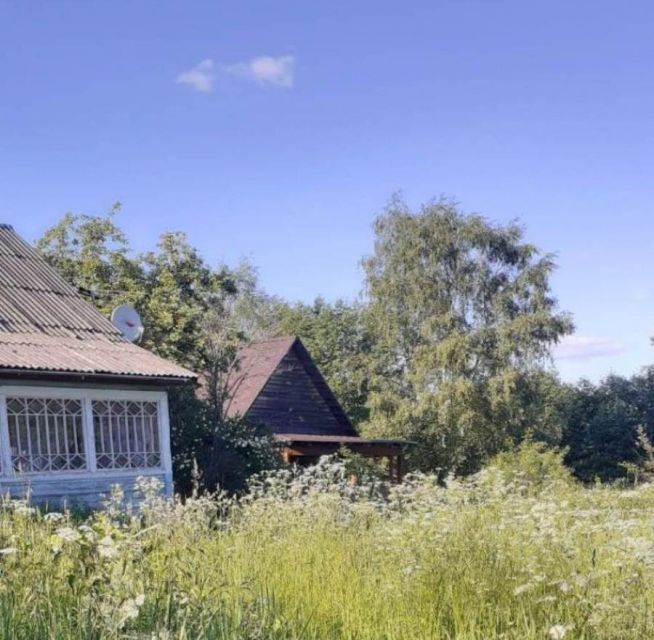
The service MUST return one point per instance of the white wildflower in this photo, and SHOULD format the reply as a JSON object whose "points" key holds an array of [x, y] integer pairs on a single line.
{"points": [[129, 610], [88, 533], [67, 534], [409, 570], [54, 516], [565, 587], [523, 588], [107, 548], [547, 599], [557, 632]]}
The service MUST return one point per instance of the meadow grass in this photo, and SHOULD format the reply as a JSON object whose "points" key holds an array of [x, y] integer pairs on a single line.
{"points": [[519, 551]]}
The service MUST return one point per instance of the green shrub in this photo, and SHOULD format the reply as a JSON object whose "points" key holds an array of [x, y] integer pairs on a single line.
{"points": [[532, 467]]}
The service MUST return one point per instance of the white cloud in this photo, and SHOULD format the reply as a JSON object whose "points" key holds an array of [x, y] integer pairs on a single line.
{"points": [[200, 77], [586, 347], [269, 70]]}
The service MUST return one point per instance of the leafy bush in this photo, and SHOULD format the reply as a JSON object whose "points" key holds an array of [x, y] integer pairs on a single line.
{"points": [[532, 467]]}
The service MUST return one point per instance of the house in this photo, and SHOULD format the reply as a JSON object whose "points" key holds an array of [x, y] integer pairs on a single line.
{"points": [[81, 408], [276, 383]]}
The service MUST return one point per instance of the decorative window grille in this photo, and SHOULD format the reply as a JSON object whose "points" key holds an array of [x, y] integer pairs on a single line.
{"points": [[46, 435], [126, 434]]}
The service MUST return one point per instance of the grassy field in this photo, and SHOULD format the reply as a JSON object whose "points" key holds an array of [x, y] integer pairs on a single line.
{"points": [[519, 552]]}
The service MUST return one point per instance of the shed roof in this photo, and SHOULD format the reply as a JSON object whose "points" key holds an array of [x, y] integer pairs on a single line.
{"points": [[47, 327], [256, 363]]}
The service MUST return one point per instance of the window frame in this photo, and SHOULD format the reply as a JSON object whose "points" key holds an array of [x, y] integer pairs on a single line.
{"points": [[86, 396]]}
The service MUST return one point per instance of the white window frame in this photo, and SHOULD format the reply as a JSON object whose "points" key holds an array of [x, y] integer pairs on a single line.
{"points": [[86, 396]]}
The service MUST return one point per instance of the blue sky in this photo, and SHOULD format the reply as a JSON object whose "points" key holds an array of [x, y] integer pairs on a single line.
{"points": [[277, 130]]}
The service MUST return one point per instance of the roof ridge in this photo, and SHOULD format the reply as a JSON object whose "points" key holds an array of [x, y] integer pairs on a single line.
{"points": [[4, 225], [277, 339]]}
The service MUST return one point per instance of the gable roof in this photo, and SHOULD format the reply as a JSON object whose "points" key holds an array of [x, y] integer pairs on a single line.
{"points": [[46, 326], [256, 364]]}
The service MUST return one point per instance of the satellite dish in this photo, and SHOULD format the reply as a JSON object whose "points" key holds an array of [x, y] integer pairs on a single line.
{"points": [[125, 318]]}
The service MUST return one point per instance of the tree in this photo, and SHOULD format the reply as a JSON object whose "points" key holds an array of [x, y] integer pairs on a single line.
{"points": [[93, 255], [255, 314], [173, 288], [339, 342], [182, 290], [603, 420], [462, 321], [188, 309]]}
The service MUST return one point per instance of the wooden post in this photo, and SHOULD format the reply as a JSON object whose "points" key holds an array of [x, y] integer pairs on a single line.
{"points": [[400, 467]]}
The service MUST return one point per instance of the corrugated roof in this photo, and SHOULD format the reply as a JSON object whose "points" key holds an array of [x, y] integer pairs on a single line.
{"points": [[45, 325]]}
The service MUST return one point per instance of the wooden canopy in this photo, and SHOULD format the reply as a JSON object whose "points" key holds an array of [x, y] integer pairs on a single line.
{"points": [[277, 384]]}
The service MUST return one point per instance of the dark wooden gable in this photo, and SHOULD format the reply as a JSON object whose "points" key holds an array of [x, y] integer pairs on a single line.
{"points": [[297, 400]]}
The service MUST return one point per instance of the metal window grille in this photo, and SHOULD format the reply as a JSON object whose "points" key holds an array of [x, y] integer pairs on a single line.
{"points": [[46, 435], [126, 434]]}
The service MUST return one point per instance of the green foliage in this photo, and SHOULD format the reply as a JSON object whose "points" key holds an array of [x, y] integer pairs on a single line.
{"points": [[187, 308], [223, 458], [643, 470], [532, 467], [93, 254], [309, 555], [363, 468], [462, 319], [339, 342], [242, 451], [190, 432], [182, 290], [602, 424]]}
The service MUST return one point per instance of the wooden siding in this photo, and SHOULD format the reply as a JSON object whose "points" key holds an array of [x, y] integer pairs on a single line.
{"points": [[292, 401]]}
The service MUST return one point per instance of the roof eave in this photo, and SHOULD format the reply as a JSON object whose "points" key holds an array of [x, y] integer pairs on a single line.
{"points": [[84, 376], [307, 439]]}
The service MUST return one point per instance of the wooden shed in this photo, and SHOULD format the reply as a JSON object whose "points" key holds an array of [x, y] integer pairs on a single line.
{"points": [[277, 384], [81, 408]]}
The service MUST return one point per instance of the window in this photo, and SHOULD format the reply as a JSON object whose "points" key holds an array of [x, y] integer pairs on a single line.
{"points": [[59, 430], [126, 434], [46, 434]]}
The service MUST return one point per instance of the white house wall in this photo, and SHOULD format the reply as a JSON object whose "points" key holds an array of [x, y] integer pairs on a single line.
{"points": [[85, 490], [91, 486]]}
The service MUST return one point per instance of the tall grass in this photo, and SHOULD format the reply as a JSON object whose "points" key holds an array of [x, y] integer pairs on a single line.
{"points": [[519, 551]]}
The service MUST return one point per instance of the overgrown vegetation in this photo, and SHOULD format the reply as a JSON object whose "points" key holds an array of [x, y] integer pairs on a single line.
{"points": [[602, 422], [449, 347], [518, 551]]}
